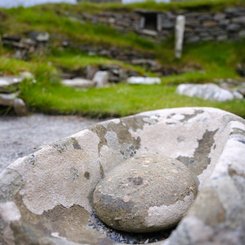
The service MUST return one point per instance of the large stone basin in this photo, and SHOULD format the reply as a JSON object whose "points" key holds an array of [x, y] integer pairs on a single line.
{"points": [[45, 198]]}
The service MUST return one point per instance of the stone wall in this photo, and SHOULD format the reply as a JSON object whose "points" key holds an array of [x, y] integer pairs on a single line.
{"points": [[200, 25]]}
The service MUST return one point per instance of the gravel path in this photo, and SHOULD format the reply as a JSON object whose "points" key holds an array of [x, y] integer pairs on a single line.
{"points": [[20, 136]]}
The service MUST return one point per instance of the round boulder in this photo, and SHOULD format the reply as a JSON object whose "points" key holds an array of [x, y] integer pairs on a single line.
{"points": [[145, 194]]}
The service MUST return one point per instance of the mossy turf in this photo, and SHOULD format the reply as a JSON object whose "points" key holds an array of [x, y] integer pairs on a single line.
{"points": [[117, 100], [201, 63]]}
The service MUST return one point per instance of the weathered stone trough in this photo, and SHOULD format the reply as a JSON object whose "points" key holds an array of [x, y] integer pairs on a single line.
{"points": [[46, 197]]}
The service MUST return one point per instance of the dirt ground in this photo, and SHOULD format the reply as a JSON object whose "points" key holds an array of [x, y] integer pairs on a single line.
{"points": [[20, 136]]}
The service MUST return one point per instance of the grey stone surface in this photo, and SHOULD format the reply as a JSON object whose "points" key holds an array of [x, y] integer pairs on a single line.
{"points": [[208, 92], [21, 136], [53, 187], [145, 194]]}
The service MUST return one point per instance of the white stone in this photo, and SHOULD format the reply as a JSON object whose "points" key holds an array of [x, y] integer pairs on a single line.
{"points": [[101, 78], [78, 83], [144, 80], [42, 37], [8, 80], [179, 35], [207, 92]]}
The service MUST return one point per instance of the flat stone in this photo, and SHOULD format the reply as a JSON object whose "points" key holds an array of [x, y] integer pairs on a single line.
{"points": [[78, 83], [233, 27], [8, 80], [144, 80], [219, 16], [210, 23], [222, 37], [193, 39], [208, 92], [145, 194], [149, 32], [239, 20], [168, 24]]}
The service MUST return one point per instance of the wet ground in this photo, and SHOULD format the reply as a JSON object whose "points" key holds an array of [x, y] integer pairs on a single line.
{"points": [[20, 136]]}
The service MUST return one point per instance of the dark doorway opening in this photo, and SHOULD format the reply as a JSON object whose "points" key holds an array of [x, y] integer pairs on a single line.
{"points": [[150, 21]]}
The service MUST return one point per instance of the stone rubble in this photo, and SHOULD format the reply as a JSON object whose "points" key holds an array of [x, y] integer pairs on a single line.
{"points": [[200, 25], [24, 46]]}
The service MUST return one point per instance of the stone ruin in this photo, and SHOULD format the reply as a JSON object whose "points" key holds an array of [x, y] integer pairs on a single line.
{"points": [[46, 197]]}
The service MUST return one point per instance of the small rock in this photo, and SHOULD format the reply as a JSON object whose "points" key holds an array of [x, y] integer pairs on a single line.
{"points": [[149, 32], [193, 39], [241, 68], [168, 24], [239, 20], [145, 194], [39, 36], [20, 107], [26, 75], [78, 83], [219, 16], [209, 23], [90, 71], [233, 27], [144, 80], [9, 83], [208, 92], [241, 33], [147, 63], [222, 37], [241, 90], [101, 78], [13, 101]]}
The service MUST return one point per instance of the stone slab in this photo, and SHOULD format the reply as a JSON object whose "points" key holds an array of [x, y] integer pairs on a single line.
{"points": [[52, 187]]}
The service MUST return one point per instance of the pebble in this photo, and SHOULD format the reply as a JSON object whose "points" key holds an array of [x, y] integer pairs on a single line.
{"points": [[145, 194]]}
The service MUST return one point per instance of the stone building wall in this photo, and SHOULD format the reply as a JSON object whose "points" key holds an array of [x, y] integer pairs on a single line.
{"points": [[200, 25]]}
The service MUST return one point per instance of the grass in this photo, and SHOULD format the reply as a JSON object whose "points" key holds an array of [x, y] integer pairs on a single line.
{"points": [[188, 5], [148, 5], [48, 96], [117, 100], [203, 62]]}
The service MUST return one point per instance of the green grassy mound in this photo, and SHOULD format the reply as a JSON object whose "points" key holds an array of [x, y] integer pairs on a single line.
{"points": [[201, 63]]}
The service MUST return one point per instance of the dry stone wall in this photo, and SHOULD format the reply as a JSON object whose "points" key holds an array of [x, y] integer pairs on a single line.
{"points": [[228, 24]]}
